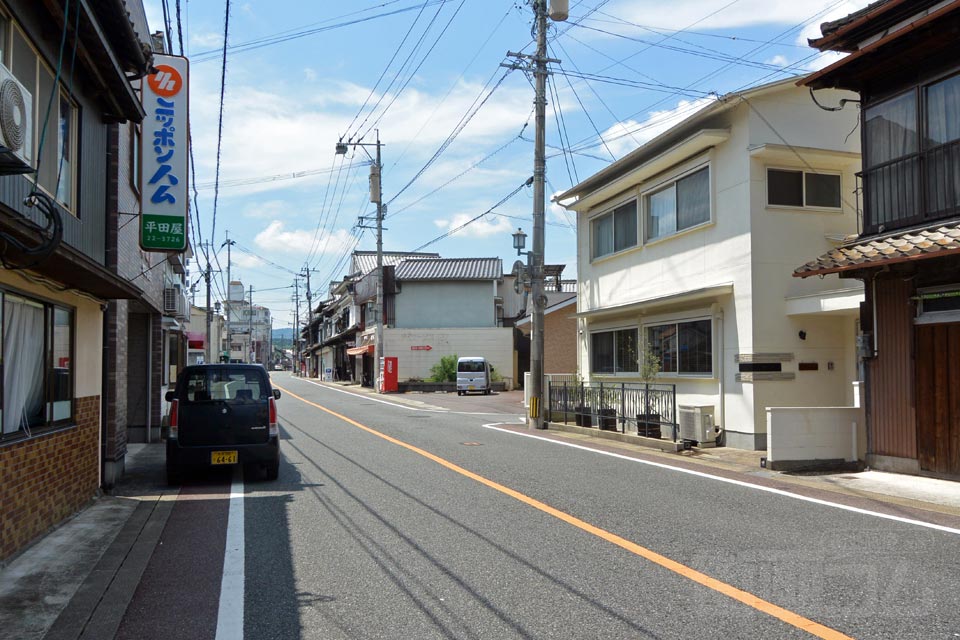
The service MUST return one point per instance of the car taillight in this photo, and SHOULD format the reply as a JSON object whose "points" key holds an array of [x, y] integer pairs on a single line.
{"points": [[174, 418], [274, 426]]}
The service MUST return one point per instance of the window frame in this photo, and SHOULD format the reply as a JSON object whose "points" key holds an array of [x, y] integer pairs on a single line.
{"points": [[617, 371], [41, 65], [610, 212], [915, 162], [48, 394], [671, 182], [804, 173], [703, 375]]}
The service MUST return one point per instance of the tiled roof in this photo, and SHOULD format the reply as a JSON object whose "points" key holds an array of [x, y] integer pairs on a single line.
{"points": [[899, 247], [450, 269], [366, 261]]}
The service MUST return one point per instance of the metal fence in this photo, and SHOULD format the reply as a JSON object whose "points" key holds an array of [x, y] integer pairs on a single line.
{"points": [[644, 409]]}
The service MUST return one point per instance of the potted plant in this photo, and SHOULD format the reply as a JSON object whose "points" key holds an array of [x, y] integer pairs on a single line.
{"points": [[607, 415], [648, 422], [582, 412]]}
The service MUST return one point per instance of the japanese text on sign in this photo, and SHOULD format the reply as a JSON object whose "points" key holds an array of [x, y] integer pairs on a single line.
{"points": [[164, 155]]}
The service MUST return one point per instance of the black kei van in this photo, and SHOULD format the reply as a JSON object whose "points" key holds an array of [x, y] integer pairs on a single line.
{"points": [[223, 414]]}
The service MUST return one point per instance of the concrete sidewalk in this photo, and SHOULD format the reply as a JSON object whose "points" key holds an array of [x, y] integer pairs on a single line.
{"points": [[78, 580]]}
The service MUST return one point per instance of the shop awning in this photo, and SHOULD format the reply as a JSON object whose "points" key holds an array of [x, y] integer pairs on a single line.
{"points": [[359, 351], [195, 339]]}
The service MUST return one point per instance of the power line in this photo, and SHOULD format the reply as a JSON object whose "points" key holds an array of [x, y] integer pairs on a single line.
{"points": [[384, 72], [223, 85], [419, 64], [472, 220], [287, 36]]}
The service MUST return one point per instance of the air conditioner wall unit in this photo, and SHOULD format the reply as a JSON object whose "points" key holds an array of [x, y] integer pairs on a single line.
{"points": [[16, 125], [697, 425], [170, 300]]}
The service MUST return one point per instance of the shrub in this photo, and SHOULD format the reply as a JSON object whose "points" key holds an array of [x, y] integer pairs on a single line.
{"points": [[445, 370]]}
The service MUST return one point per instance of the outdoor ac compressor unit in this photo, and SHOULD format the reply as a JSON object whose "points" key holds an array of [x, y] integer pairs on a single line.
{"points": [[697, 425], [16, 125]]}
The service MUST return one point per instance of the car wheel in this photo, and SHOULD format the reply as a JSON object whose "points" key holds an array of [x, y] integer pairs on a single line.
{"points": [[251, 472], [174, 476], [273, 470]]}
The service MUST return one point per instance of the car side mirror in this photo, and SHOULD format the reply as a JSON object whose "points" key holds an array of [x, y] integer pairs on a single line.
{"points": [[170, 396], [276, 394]]}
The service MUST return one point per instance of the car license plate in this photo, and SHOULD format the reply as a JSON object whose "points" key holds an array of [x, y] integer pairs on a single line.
{"points": [[223, 457], [471, 388]]}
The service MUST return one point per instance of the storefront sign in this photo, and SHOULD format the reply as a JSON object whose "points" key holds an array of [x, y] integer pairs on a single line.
{"points": [[163, 156]]}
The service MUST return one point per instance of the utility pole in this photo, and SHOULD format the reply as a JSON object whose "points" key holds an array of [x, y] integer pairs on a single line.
{"points": [[558, 11], [296, 327], [376, 195], [306, 273], [209, 309], [250, 325], [228, 307]]}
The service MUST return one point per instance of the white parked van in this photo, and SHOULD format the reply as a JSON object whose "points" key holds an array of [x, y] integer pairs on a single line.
{"points": [[473, 374]]}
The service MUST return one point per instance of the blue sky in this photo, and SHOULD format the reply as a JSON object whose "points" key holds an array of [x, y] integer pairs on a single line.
{"points": [[456, 127]]}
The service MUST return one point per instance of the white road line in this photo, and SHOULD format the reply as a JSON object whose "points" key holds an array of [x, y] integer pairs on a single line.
{"points": [[230, 614], [780, 492], [402, 406]]}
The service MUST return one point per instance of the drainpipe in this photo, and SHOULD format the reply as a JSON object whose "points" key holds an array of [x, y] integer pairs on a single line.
{"points": [[105, 362], [718, 314], [150, 379]]}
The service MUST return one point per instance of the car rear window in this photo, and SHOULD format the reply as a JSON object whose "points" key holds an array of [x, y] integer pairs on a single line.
{"points": [[225, 385], [475, 366]]}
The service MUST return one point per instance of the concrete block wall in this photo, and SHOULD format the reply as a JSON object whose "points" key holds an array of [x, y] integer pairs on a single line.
{"points": [[47, 478], [797, 436]]}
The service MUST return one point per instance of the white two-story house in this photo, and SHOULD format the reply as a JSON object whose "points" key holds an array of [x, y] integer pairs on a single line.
{"points": [[690, 242]]}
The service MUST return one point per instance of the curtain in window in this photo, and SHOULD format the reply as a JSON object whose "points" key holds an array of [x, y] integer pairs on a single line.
{"points": [[943, 162], [602, 232], [693, 199], [662, 213], [23, 364], [891, 130], [892, 192], [625, 226]]}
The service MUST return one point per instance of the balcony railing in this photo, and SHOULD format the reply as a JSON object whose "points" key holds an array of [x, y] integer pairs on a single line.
{"points": [[644, 409], [911, 190]]}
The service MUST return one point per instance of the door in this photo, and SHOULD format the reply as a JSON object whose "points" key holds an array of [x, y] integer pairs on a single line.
{"points": [[938, 397]]}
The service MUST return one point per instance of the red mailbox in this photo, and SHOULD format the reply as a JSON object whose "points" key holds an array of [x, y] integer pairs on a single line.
{"points": [[390, 375]]}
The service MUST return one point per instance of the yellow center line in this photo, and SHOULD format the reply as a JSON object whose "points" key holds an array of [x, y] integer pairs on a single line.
{"points": [[747, 598]]}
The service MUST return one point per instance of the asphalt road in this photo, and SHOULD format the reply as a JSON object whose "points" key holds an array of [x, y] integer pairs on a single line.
{"points": [[392, 521]]}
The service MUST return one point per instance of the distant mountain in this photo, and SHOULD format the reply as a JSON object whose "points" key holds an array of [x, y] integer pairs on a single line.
{"points": [[283, 338]]}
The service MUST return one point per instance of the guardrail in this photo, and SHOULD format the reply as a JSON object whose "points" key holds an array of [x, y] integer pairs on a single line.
{"points": [[648, 410]]}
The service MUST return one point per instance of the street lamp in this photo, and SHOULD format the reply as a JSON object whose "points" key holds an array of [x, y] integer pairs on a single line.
{"points": [[376, 196], [520, 241]]}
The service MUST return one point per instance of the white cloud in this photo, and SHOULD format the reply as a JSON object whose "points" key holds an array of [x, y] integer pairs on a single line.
{"points": [[209, 40], [309, 74], [299, 241], [624, 137], [245, 260], [484, 227], [780, 61], [270, 130]]}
